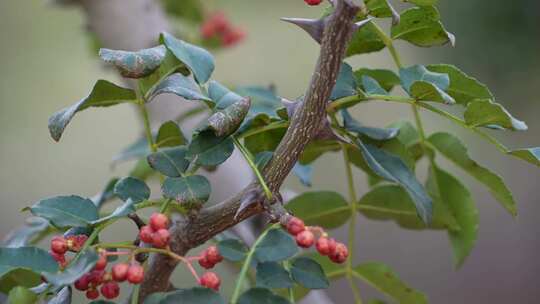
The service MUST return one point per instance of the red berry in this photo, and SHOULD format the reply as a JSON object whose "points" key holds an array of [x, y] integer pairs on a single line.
{"points": [[208, 30], [313, 2], [295, 226], [76, 242], [83, 282], [210, 280], [59, 245], [205, 263], [325, 246], [119, 272], [135, 274], [101, 263], [60, 258], [161, 238], [110, 290], [159, 221], [146, 234], [92, 294], [213, 255], [220, 22], [96, 277], [340, 254], [305, 239], [232, 36]]}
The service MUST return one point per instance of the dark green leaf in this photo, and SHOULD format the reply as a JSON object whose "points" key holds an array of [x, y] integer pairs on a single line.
{"points": [[260, 295], [485, 113], [170, 135], [273, 275], [452, 148], [21, 295], [320, 208], [228, 120], [137, 64], [374, 133], [123, 210], [308, 273], [62, 297], [385, 280], [416, 73], [170, 162], [197, 59], [209, 149], [169, 65], [407, 133], [232, 250], [132, 188], [180, 85], [421, 26], [423, 90], [371, 86], [304, 173], [106, 194], [378, 8], [463, 88], [264, 141], [23, 235], [391, 202], [276, 246], [422, 2], [345, 83], [451, 192], [365, 40], [193, 190], [317, 148], [386, 78], [263, 100], [195, 295], [222, 96], [531, 155], [393, 169], [22, 266], [103, 94], [74, 271], [66, 211]]}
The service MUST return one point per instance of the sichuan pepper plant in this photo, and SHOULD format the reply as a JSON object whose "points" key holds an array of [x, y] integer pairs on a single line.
{"points": [[276, 136]]}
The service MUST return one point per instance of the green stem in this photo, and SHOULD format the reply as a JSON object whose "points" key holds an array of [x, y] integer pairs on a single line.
{"points": [[290, 290], [147, 128], [164, 206], [247, 264], [253, 166], [389, 44]]}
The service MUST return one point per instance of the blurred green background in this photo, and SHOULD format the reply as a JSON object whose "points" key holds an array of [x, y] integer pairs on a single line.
{"points": [[46, 63]]}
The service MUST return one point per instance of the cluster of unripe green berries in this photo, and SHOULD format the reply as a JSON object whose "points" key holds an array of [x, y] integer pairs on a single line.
{"points": [[60, 245], [313, 2], [156, 232], [305, 237], [208, 259], [217, 26]]}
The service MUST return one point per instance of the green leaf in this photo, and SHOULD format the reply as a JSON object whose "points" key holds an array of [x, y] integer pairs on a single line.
{"points": [[416, 73], [423, 90], [106, 194], [308, 273], [451, 192], [195, 295], [135, 150], [179, 85], [141, 170], [170, 135], [422, 2], [273, 275], [170, 162], [264, 141], [209, 149], [276, 246], [193, 190], [190, 10], [391, 202], [63, 296], [408, 135], [169, 65], [531, 155], [22, 266], [21, 295], [421, 26], [66, 211], [103, 94], [263, 100], [386, 281], [378, 8], [372, 87], [374, 133], [260, 295], [386, 78], [22, 236], [317, 148], [365, 40], [393, 169], [452, 148], [137, 64], [320, 208], [123, 210], [74, 271], [197, 59], [222, 96], [345, 83], [233, 250], [463, 88], [485, 113], [228, 120], [132, 188]]}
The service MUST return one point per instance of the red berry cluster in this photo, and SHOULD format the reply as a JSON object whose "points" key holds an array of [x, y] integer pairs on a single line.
{"points": [[61, 245], [217, 26], [305, 238], [98, 276], [208, 259], [210, 280], [156, 232], [313, 2]]}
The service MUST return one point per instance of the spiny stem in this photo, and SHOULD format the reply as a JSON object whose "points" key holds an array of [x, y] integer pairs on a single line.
{"points": [[249, 159]]}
